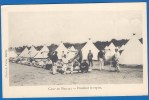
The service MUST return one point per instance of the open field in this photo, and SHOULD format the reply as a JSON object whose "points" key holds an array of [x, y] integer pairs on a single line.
{"points": [[22, 75]]}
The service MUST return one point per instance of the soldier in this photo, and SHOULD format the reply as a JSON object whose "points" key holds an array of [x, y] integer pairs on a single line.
{"points": [[116, 60], [90, 58], [101, 59], [84, 67], [54, 60]]}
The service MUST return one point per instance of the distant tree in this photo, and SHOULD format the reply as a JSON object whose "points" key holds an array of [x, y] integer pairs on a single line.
{"points": [[52, 47], [39, 47], [79, 46], [67, 45], [141, 40], [101, 45]]}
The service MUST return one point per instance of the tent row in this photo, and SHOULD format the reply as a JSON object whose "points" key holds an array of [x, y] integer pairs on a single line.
{"points": [[43, 53], [132, 51]]}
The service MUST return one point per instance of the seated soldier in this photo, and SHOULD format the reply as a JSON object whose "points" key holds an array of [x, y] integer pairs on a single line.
{"points": [[76, 65], [41, 63], [48, 64], [34, 63], [84, 67], [24, 61], [18, 60], [29, 61]]}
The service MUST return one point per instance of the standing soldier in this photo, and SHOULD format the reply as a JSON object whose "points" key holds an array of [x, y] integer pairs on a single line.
{"points": [[54, 60], [90, 58], [101, 59], [116, 60], [65, 64]]}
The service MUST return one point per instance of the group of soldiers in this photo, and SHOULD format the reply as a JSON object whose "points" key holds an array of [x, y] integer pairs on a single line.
{"points": [[101, 59], [69, 64], [76, 64], [114, 61]]}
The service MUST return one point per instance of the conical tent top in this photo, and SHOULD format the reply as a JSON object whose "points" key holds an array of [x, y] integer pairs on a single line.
{"points": [[72, 48], [43, 53], [89, 46], [24, 53], [60, 49], [32, 51], [111, 46]]}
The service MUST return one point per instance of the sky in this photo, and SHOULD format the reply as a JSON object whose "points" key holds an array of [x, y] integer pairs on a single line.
{"points": [[38, 28]]}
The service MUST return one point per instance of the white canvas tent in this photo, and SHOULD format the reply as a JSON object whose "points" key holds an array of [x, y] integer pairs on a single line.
{"points": [[72, 52], [112, 47], [133, 53], [60, 49], [89, 46], [12, 54], [43, 53], [72, 49], [25, 53], [109, 51], [33, 52]]}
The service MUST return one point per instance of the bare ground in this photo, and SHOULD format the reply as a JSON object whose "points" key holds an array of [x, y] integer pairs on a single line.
{"points": [[22, 75]]}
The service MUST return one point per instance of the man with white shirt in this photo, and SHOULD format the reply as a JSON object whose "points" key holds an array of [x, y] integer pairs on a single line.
{"points": [[65, 64], [116, 60]]}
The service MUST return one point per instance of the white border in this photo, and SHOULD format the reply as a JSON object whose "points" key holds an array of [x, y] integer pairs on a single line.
{"points": [[43, 91]]}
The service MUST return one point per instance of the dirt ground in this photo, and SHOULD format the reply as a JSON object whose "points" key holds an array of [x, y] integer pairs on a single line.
{"points": [[22, 75]]}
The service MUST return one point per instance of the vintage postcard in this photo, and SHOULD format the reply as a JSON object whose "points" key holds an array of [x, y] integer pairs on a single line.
{"points": [[74, 50]]}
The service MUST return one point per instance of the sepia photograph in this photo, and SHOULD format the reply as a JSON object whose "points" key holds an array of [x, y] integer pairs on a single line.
{"points": [[92, 45]]}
